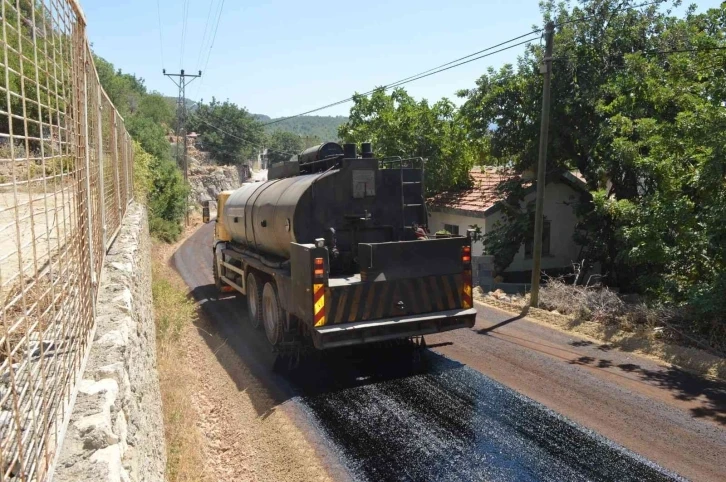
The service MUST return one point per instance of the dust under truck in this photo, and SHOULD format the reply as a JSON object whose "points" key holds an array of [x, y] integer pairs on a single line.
{"points": [[326, 251]]}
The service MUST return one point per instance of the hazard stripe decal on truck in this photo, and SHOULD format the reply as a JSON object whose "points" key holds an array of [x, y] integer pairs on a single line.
{"points": [[319, 304], [386, 299]]}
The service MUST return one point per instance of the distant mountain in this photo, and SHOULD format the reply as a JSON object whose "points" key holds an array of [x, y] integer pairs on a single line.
{"points": [[324, 127]]}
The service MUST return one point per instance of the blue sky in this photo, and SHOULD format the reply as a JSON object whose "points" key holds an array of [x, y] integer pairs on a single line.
{"points": [[283, 57]]}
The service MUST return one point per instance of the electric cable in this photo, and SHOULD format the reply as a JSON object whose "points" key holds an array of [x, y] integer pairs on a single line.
{"points": [[161, 37], [448, 65]]}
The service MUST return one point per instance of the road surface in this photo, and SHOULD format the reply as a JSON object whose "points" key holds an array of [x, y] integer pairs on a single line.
{"points": [[507, 400]]}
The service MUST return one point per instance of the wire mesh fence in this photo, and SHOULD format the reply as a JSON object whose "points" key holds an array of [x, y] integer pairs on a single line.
{"points": [[66, 170]]}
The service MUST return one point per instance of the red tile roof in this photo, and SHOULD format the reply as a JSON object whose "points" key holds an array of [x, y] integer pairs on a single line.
{"points": [[480, 197]]}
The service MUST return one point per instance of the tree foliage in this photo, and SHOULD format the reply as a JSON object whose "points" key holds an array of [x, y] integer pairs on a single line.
{"points": [[282, 145], [157, 179], [398, 125], [637, 108], [324, 128], [236, 136], [31, 27]]}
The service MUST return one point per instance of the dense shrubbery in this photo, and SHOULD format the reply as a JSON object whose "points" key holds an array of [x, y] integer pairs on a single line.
{"points": [[324, 128], [159, 183], [157, 180], [645, 129]]}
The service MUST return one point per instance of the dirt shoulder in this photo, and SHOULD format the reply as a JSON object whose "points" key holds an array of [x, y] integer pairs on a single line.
{"points": [[222, 422]]}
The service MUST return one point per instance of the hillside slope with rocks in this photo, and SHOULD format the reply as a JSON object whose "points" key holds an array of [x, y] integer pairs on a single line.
{"points": [[207, 179]]}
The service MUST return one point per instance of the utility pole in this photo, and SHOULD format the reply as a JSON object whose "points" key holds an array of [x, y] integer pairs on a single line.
{"points": [[181, 123], [546, 69]]}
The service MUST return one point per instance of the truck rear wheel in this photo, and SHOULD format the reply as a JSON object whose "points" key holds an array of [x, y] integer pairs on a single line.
{"points": [[254, 299], [272, 314]]}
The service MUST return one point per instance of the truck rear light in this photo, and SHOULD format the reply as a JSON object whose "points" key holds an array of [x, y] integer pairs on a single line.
{"points": [[319, 270], [466, 255]]}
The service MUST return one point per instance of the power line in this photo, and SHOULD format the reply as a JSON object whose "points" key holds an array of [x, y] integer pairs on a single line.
{"points": [[185, 15], [161, 39], [453, 63], [211, 44], [421, 75], [204, 37], [252, 143], [214, 37]]}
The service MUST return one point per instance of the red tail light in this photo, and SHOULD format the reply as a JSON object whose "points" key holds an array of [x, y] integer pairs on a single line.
{"points": [[466, 255], [319, 268]]}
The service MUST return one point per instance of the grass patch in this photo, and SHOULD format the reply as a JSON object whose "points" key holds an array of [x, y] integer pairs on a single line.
{"points": [[175, 313]]}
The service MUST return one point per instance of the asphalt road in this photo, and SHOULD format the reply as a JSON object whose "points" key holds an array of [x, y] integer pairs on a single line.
{"points": [[508, 400]]}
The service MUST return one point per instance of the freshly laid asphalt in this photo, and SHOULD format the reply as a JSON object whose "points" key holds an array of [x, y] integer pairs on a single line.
{"points": [[387, 416]]}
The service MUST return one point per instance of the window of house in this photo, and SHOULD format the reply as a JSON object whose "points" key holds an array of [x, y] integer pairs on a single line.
{"points": [[529, 248], [452, 228]]}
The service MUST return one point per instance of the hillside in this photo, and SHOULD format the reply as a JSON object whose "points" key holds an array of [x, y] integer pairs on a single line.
{"points": [[191, 105], [323, 127]]}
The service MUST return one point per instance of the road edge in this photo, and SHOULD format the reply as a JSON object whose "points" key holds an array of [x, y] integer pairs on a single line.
{"points": [[689, 359]]}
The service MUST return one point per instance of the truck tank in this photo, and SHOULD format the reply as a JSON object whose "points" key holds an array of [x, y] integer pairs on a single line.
{"points": [[359, 201]]}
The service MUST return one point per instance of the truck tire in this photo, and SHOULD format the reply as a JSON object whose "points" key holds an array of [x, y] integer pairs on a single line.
{"points": [[272, 314], [254, 299]]}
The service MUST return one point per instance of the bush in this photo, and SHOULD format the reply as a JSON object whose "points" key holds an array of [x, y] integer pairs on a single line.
{"points": [[159, 184], [142, 173], [585, 302], [164, 230], [693, 324]]}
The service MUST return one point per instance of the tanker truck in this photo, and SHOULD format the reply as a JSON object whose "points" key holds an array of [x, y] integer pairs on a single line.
{"points": [[328, 252]]}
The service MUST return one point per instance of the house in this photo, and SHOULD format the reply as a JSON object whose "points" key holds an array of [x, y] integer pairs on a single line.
{"points": [[455, 211], [192, 139]]}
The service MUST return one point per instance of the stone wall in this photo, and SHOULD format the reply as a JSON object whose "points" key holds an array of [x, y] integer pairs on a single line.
{"points": [[116, 430], [207, 181]]}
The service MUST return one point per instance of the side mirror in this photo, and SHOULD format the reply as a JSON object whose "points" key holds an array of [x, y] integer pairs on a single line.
{"points": [[205, 214]]}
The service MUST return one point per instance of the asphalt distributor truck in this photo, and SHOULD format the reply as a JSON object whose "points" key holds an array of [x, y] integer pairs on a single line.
{"points": [[327, 253]]}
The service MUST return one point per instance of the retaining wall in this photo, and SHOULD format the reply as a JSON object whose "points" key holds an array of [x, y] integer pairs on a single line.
{"points": [[116, 429]]}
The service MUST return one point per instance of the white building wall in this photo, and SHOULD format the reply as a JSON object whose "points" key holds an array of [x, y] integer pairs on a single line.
{"points": [[438, 220], [558, 209]]}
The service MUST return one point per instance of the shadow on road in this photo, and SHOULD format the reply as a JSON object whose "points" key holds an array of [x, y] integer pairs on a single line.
{"points": [[225, 322], [685, 386], [488, 329]]}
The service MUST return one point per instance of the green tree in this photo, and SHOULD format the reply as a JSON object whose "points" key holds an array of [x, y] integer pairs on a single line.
{"points": [[637, 108], [150, 134], [155, 107], [324, 128], [30, 28], [125, 91], [228, 132], [398, 125], [157, 179], [167, 199], [282, 145]]}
